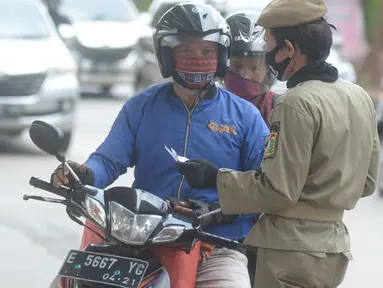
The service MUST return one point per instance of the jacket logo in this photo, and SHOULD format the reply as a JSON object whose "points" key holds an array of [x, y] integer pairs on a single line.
{"points": [[271, 144], [214, 127]]}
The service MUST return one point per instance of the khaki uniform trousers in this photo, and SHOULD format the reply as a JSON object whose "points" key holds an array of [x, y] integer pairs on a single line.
{"points": [[293, 269]]}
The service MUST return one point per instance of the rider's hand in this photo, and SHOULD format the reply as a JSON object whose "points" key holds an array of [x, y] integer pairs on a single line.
{"points": [[200, 173], [61, 175], [200, 208]]}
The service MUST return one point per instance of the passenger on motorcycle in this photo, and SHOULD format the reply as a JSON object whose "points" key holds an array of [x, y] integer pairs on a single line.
{"points": [[249, 76], [196, 119]]}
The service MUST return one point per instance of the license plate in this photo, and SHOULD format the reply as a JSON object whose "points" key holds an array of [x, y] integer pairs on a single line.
{"points": [[102, 268], [104, 68]]}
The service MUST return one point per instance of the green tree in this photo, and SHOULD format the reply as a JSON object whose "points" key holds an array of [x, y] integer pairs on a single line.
{"points": [[371, 13], [142, 5]]}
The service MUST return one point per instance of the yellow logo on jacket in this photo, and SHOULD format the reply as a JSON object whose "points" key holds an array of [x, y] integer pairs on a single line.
{"points": [[214, 127], [271, 143]]}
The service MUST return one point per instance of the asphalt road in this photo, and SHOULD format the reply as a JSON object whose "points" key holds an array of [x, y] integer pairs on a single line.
{"points": [[36, 236]]}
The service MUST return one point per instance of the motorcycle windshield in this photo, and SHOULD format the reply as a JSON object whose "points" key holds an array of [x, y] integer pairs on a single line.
{"points": [[137, 201]]}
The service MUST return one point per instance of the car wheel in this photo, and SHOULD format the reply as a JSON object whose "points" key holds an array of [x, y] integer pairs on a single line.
{"points": [[141, 84], [106, 90], [67, 141]]}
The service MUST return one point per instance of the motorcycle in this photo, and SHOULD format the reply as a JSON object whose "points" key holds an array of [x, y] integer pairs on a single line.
{"points": [[133, 222]]}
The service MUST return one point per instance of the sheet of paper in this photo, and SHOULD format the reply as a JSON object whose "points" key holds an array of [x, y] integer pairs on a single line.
{"points": [[175, 155]]}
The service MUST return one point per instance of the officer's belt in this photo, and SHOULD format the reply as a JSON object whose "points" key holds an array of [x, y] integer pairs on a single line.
{"points": [[303, 210]]}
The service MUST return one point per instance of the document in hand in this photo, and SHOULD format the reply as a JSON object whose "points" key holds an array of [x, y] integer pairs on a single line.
{"points": [[175, 155]]}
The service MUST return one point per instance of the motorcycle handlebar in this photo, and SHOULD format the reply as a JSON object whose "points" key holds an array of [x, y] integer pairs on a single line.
{"points": [[43, 185], [217, 240]]}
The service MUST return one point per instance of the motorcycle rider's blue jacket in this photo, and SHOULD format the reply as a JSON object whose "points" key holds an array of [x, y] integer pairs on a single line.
{"points": [[222, 128]]}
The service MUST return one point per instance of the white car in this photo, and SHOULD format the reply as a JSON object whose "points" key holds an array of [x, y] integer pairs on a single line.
{"points": [[37, 73], [102, 35]]}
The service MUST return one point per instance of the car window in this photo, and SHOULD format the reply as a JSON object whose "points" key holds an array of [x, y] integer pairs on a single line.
{"points": [[98, 10], [22, 20]]}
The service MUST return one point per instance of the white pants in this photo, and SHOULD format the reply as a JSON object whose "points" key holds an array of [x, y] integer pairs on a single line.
{"points": [[224, 268]]}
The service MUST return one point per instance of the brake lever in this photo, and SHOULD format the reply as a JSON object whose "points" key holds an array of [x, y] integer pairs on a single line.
{"points": [[44, 199], [75, 219], [209, 213]]}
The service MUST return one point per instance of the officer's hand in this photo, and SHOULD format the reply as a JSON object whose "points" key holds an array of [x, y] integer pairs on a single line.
{"points": [[61, 175], [200, 173]]}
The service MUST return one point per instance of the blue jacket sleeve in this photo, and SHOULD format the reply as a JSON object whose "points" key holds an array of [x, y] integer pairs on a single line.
{"points": [[116, 153], [253, 146]]}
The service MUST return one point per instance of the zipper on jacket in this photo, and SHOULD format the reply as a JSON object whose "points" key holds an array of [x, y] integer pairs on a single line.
{"points": [[186, 143]]}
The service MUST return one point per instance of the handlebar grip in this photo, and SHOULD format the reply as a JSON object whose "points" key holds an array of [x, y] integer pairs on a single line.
{"points": [[217, 240], [43, 185]]}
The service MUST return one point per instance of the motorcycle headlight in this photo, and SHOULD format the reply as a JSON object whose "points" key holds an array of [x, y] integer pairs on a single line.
{"points": [[96, 211], [131, 228], [169, 234]]}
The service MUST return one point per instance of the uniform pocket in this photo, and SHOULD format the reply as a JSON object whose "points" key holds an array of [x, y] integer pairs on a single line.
{"points": [[341, 268]]}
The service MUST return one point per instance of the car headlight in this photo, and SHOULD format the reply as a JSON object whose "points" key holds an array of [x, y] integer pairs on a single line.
{"points": [[96, 211], [169, 234], [130, 228]]}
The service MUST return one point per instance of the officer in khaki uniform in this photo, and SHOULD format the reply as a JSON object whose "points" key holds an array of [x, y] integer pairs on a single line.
{"points": [[321, 157]]}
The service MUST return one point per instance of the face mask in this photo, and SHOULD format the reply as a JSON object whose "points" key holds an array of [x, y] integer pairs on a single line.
{"points": [[194, 73], [242, 87], [280, 67]]}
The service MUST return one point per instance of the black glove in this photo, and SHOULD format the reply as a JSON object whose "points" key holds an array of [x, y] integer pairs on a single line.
{"points": [[200, 173], [84, 174], [200, 208]]}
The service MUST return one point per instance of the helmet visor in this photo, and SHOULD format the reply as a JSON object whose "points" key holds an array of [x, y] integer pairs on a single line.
{"points": [[185, 37], [252, 67], [245, 46]]}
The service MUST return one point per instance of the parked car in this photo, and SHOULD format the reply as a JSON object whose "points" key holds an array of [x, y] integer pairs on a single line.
{"points": [[37, 73], [101, 35]]}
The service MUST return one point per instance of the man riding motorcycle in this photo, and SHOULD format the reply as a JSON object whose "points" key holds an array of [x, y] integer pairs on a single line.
{"points": [[249, 76], [196, 119]]}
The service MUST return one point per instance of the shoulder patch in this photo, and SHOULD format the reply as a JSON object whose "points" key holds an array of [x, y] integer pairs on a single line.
{"points": [[271, 143]]}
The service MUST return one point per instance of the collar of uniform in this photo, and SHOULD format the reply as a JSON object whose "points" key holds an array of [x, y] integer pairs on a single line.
{"points": [[210, 94], [321, 71]]}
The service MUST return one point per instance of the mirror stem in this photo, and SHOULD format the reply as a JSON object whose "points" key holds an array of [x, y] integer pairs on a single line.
{"points": [[209, 213], [60, 157], [72, 172]]}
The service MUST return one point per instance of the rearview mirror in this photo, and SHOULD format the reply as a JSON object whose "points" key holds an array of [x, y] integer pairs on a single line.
{"points": [[47, 137]]}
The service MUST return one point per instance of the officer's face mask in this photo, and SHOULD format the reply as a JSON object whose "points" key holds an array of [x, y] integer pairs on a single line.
{"points": [[280, 67]]}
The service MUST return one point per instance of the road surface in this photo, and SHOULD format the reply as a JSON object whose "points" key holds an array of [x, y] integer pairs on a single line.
{"points": [[36, 236]]}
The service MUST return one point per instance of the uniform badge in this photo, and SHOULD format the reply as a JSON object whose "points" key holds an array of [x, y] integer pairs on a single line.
{"points": [[271, 144]]}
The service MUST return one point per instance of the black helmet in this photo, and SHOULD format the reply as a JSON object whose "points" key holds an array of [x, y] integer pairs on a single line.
{"points": [[248, 38], [187, 21], [247, 35]]}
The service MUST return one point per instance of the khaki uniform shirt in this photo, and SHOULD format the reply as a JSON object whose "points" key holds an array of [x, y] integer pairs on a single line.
{"points": [[321, 157]]}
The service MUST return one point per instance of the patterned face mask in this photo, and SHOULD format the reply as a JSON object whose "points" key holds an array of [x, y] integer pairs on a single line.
{"points": [[196, 72]]}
